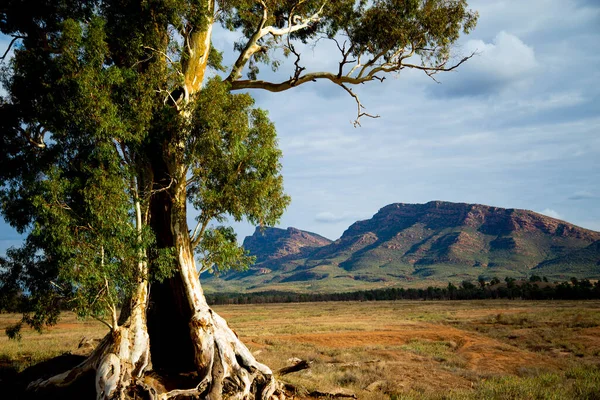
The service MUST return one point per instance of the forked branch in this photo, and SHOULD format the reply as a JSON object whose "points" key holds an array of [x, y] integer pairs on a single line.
{"points": [[14, 39], [367, 72], [359, 113], [295, 24]]}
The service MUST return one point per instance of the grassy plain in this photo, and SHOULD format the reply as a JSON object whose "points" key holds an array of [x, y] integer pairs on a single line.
{"points": [[398, 350]]}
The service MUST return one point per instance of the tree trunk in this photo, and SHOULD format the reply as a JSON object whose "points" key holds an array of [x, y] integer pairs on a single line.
{"points": [[121, 358], [186, 335], [181, 336], [170, 329]]}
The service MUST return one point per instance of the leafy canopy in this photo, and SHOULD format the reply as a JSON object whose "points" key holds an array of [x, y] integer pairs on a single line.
{"points": [[107, 105]]}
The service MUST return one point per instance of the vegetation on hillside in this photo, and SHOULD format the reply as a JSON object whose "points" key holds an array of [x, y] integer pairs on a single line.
{"points": [[535, 289], [418, 245]]}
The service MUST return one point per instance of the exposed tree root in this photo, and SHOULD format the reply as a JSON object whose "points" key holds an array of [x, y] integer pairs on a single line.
{"points": [[121, 362], [292, 391], [120, 359], [69, 377], [234, 372], [298, 366]]}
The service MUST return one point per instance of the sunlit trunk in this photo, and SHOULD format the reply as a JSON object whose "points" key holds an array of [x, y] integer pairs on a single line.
{"points": [[185, 334]]}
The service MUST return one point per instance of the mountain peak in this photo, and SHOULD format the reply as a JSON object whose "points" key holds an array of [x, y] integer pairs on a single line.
{"points": [[434, 242], [272, 243]]}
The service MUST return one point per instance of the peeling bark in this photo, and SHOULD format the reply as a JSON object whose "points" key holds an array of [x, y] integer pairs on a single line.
{"points": [[225, 366], [121, 358]]}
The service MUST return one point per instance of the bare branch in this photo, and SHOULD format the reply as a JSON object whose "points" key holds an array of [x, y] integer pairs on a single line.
{"points": [[285, 85], [142, 61], [297, 68], [441, 67], [34, 135], [14, 39], [196, 237], [295, 23], [165, 55], [110, 327], [367, 72], [359, 107], [371, 63], [173, 180], [345, 54]]}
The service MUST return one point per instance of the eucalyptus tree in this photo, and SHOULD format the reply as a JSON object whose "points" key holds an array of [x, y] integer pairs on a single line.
{"points": [[118, 115]]}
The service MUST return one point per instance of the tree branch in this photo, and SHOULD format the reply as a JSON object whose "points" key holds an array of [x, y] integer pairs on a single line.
{"points": [[14, 39], [251, 47], [345, 55], [288, 84], [38, 140], [302, 24], [441, 67], [261, 31], [196, 238], [359, 107], [362, 77]]}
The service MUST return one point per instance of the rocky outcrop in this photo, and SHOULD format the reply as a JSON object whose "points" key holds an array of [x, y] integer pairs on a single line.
{"points": [[441, 232], [439, 241], [274, 243]]}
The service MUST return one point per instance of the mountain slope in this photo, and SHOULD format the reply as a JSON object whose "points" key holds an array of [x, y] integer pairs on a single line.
{"points": [[274, 243], [580, 263], [420, 244]]}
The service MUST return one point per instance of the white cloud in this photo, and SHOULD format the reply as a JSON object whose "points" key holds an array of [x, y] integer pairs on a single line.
{"points": [[329, 217], [551, 213], [496, 66], [548, 18], [507, 57]]}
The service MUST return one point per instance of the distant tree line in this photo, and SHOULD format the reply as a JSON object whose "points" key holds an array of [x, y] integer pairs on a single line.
{"points": [[536, 288]]}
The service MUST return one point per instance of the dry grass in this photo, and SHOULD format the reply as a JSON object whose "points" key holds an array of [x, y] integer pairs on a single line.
{"points": [[397, 350], [53, 341], [470, 349]]}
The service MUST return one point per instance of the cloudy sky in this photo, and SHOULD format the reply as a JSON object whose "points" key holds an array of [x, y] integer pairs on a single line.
{"points": [[518, 126]]}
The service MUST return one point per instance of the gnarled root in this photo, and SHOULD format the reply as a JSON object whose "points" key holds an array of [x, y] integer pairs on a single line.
{"points": [[228, 368], [119, 361], [69, 377]]}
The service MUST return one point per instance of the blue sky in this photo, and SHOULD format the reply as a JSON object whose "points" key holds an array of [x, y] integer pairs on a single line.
{"points": [[518, 126]]}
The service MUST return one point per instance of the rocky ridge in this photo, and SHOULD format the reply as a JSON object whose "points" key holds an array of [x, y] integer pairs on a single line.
{"points": [[433, 242]]}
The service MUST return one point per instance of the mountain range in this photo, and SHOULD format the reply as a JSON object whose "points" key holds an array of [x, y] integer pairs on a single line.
{"points": [[417, 245]]}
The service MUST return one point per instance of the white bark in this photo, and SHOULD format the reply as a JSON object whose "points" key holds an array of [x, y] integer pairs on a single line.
{"points": [[224, 363], [124, 354]]}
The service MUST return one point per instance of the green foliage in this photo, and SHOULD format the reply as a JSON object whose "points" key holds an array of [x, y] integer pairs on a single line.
{"points": [[101, 136], [219, 251], [382, 28], [234, 159]]}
